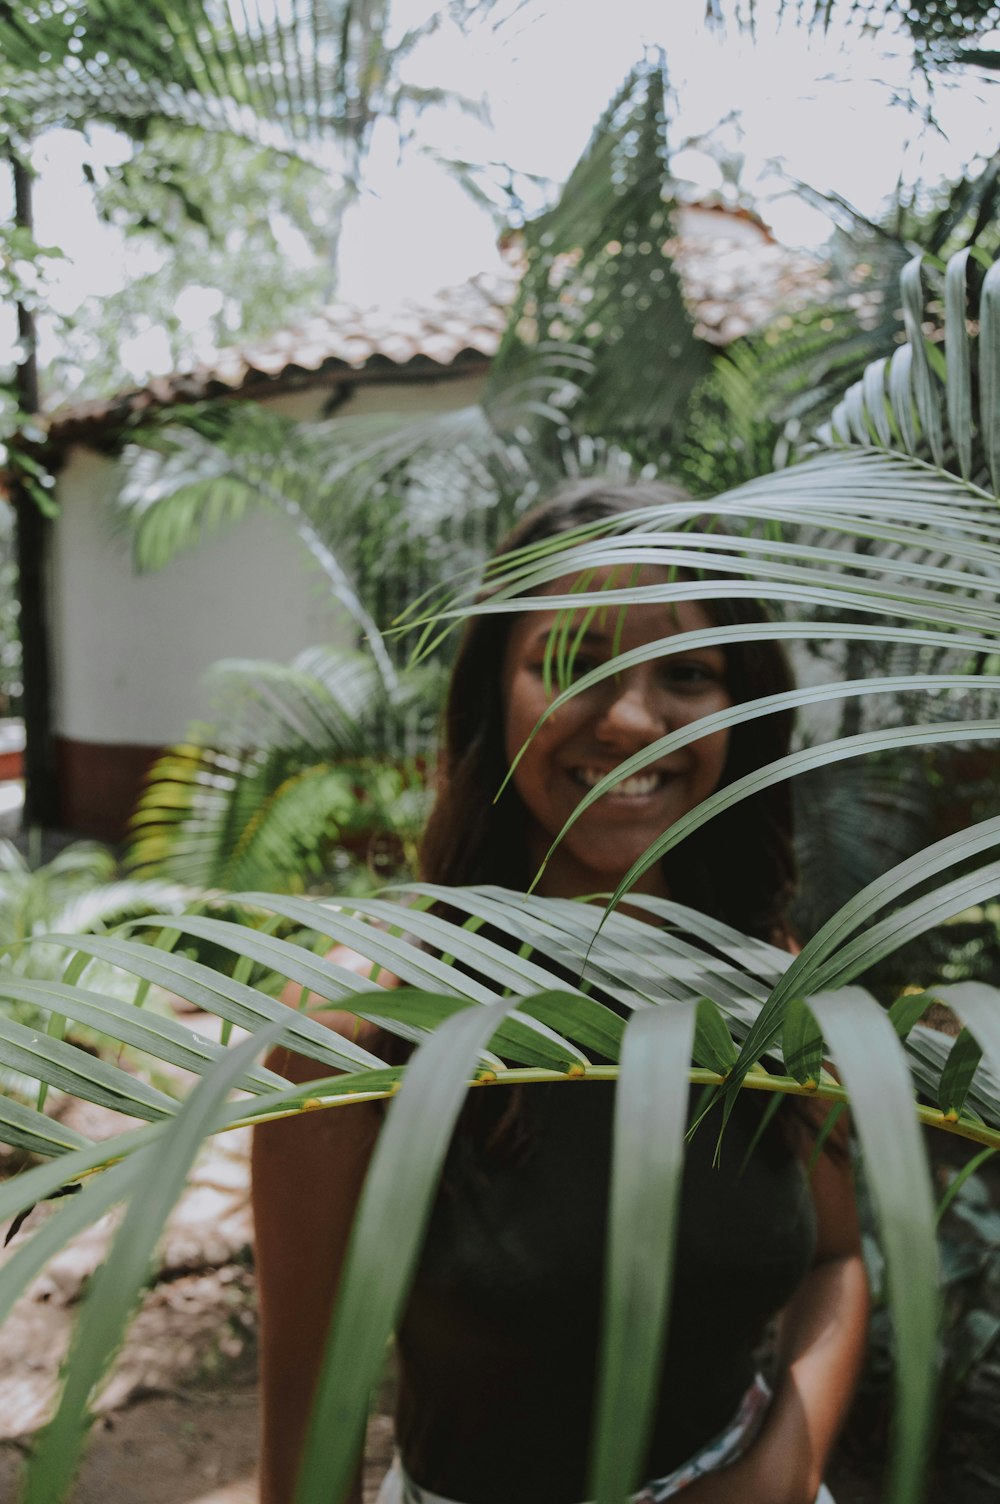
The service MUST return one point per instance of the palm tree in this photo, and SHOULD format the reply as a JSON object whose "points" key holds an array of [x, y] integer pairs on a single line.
{"points": [[910, 466]]}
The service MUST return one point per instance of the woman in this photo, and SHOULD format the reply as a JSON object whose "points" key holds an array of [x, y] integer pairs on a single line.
{"points": [[497, 1349]]}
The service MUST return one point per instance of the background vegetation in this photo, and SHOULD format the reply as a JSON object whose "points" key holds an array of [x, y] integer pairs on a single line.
{"points": [[862, 496]]}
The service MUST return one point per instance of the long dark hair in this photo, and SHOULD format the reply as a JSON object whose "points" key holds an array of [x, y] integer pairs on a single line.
{"points": [[739, 867]]}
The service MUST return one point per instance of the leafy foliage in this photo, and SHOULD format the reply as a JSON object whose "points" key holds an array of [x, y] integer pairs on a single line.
{"points": [[631, 964], [885, 531], [215, 245], [190, 82], [77, 892], [318, 71], [384, 508], [490, 995], [766, 390], [309, 779], [599, 279]]}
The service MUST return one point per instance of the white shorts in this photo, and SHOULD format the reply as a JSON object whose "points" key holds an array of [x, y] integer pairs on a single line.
{"points": [[399, 1488]]}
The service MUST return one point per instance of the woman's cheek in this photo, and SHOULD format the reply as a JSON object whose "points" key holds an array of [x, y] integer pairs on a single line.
{"points": [[528, 706], [714, 759]]}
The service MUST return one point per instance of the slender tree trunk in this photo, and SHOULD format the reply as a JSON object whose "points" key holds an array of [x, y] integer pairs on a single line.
{"points": [[33, 532]]}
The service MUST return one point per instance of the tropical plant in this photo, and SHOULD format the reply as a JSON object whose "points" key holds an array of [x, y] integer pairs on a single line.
{"points": [[309, 779], [576, 387], [77, 891], [909, 467], [600, 280], [386, 507], [322, 70], [356, 491], [762, 393], [218, 254], [774, 384], [205, 92]]}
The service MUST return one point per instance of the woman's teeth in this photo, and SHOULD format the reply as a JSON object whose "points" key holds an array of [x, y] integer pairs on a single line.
{"points": [[636, 787]]}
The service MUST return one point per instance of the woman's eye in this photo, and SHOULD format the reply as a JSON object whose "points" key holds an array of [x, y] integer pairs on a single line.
{"points": [[579, 664], [689, 675]]}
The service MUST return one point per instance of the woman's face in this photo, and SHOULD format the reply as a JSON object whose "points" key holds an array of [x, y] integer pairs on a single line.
{"points": [[598, 729]]}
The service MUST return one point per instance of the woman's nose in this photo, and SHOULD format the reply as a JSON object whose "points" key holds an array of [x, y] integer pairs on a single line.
{"points": [[634, 711]]}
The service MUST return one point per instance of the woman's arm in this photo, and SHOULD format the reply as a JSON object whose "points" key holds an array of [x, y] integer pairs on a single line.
{"points": [[308, 1174], [820, 1351]]}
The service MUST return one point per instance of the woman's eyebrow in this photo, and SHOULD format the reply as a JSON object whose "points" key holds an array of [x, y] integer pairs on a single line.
{"points": [[590, 638]]}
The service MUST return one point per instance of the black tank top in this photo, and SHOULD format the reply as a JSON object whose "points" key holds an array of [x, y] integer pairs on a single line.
{"points": [[498, 1345]]}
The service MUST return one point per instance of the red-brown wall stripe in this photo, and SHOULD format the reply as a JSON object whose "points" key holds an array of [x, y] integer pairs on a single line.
{"points": [[99, 784]]}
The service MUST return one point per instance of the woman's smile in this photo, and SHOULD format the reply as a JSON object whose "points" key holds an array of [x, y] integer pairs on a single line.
{"points": [[637, 786], [598, 729]]}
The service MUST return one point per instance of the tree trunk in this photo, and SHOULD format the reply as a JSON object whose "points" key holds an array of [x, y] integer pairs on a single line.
{"points": [[33, 532]]}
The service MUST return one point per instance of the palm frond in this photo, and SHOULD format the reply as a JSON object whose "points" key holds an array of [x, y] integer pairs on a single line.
{"points": [[321, 71], [190, 484], [111, 1296], [76, 891], [202, 469], [655, 965], [770, 386], [599, 278]]}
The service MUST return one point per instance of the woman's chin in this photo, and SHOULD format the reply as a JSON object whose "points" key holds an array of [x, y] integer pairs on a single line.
{"points": [[572, 875]]}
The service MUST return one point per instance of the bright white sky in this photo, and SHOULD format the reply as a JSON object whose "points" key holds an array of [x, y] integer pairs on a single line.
{"points": [[815, 109]]}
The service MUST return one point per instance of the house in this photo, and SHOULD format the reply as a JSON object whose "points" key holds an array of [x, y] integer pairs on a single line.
{"points": [[129, 653]]}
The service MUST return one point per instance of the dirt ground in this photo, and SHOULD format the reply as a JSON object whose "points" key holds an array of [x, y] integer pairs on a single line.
{"points": [[198, 1446], [178, 1417]]}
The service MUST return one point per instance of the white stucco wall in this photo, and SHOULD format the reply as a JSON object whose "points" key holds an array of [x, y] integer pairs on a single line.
{"points": [[130, 652]]}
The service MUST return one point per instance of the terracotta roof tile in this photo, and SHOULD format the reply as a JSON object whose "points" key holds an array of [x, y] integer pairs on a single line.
{"points": [[734, 276]]}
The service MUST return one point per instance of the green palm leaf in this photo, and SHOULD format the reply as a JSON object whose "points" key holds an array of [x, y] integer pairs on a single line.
{"points": [[874, 1072], [23, 1128], [116, 1284], [650, 1117], [385, 1244], [576, 929]]}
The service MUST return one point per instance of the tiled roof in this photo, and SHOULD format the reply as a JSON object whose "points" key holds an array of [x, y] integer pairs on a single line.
{"points": [[735, 277]]}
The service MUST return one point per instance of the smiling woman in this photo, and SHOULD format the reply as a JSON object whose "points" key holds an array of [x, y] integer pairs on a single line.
{"points": [[498, 1345], [600, 727], [474, 837]]}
